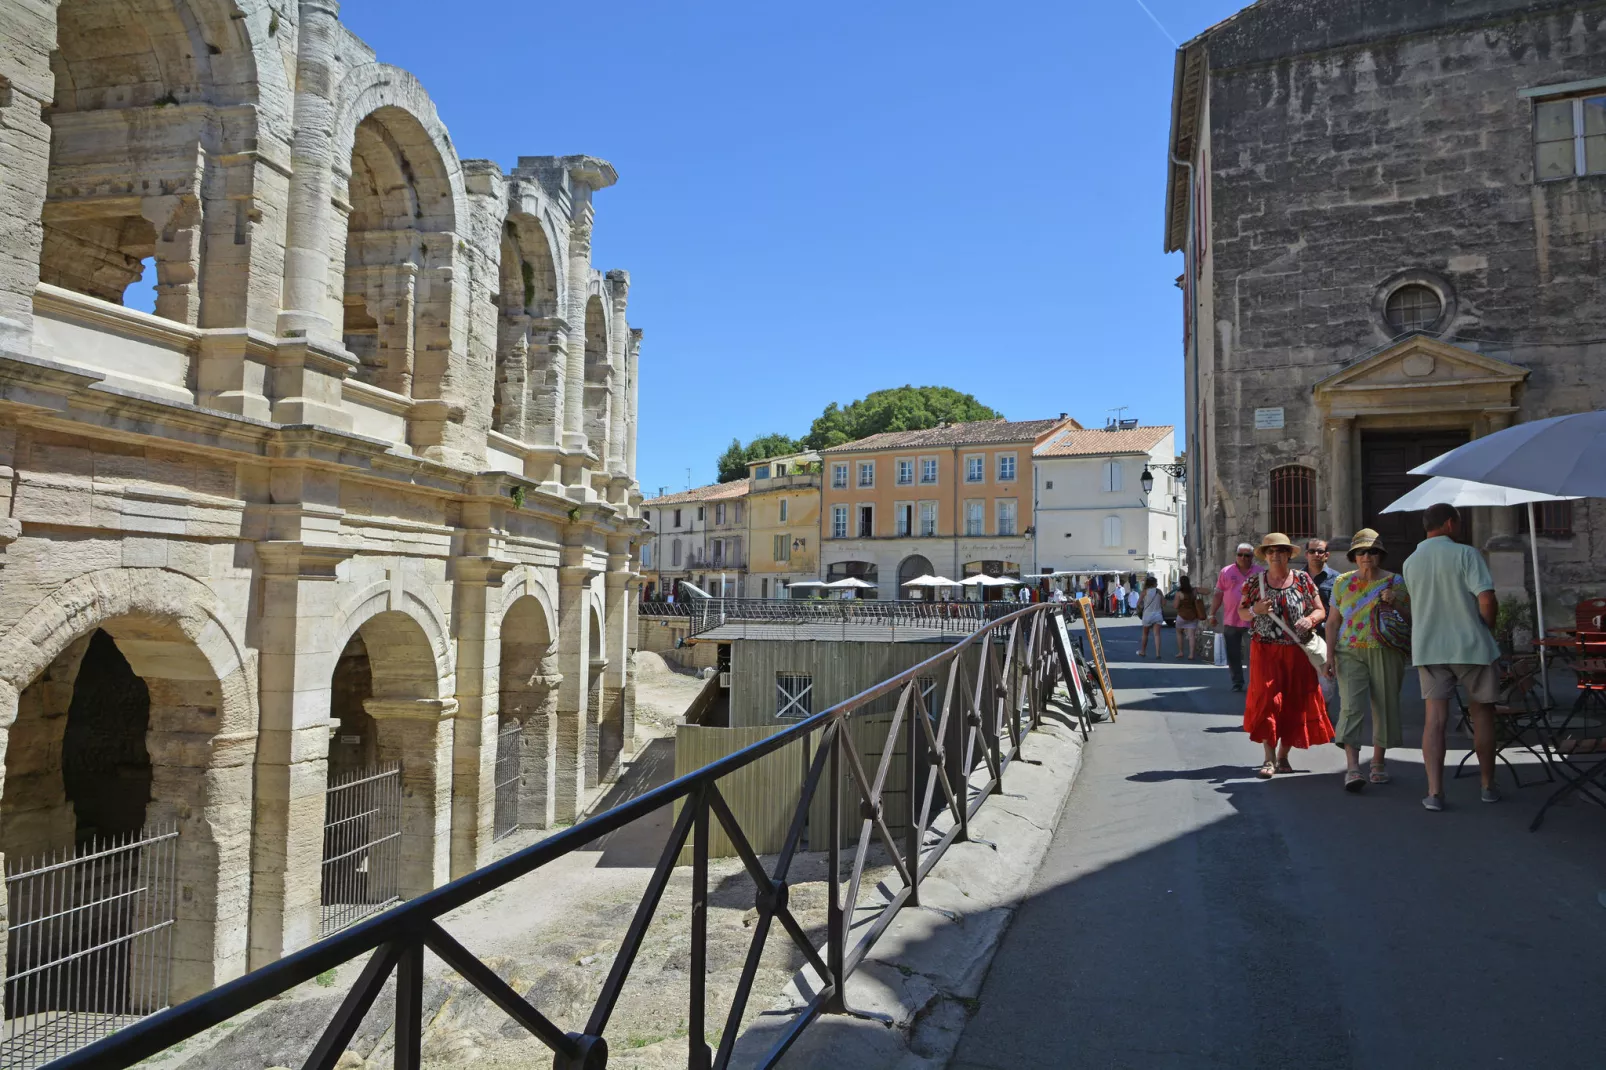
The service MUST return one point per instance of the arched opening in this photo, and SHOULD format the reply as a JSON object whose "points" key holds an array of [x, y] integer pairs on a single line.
{"points": [[399, 256], [600, 737], [389, 788], [529, 356], [598, 373], [121, 821], [526, 760], [166, 65], [914, 565], [865, 571]]}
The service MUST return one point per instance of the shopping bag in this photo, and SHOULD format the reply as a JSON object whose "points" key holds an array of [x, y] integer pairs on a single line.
{"points": [[1221, 650]]}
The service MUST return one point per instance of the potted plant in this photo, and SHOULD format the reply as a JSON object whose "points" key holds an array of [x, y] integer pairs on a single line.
{"points": [[1514, 625]]}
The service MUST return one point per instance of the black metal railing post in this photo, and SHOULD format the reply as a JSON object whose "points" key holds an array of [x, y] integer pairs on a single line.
{"points": [[836, 928], [698, 1056], [914, 832], [410, 1005]]}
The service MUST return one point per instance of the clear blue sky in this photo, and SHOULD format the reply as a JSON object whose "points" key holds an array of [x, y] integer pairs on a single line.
{"points": [[820, 200]]}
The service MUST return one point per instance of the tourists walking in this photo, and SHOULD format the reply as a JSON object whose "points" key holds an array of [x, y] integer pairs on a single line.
{"points": [[1225, 608], [1284, 708], [1189, 612], [1133, 597], [1152, 616], [1316, 555], [1451, 643], [1367, 647], [1120, 597]]}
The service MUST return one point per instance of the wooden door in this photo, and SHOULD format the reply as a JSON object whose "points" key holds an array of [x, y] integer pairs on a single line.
{"points": [[1386, 461]]}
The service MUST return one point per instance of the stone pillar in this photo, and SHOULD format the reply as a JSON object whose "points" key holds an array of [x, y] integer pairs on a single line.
{"points": [[177, 219], [296, 629], [1340, 501], [579, 286], [479, 648], [536, 709], [618, 350], [1502, 522], [632, 408], [617, 729], [417, 732], [311, 214], [574, 697], [27, 85]]}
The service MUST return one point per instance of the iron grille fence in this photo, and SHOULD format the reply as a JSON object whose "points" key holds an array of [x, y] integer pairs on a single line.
{"points": [[90, 941], [509, 741], [709, 613], [997, 684], [664, 609], [361, 845]]}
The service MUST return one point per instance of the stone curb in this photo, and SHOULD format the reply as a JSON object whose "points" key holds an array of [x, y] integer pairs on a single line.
{"points": [[914, 992]]}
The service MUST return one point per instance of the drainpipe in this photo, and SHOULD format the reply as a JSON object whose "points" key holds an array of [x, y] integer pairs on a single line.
{"points": [[1191, 353]]}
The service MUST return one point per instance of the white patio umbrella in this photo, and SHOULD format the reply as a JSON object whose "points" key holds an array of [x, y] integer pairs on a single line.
{"points": [[1563, 455], [1464, 492], [930, 581], [850, 583], [806, 583]]}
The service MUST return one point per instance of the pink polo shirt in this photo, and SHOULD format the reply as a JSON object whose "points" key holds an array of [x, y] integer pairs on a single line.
{"points": [[1231, 585]]}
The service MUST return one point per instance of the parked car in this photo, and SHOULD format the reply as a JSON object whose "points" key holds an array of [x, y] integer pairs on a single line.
{"points": [[1168, 606]]}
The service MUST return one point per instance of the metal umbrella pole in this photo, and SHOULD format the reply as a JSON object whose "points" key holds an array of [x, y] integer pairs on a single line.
{"points": [[1539, 608]]}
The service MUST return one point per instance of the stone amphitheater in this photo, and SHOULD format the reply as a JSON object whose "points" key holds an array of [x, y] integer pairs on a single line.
{"points": [[356, 504]]}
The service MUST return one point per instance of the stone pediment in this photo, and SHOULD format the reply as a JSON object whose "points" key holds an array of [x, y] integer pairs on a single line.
{"points": [[1420, 374]]}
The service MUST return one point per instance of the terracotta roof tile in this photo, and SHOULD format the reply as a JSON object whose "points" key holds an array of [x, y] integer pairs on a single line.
{"points": [[1095, 442], [975, 433], [714, 492]]}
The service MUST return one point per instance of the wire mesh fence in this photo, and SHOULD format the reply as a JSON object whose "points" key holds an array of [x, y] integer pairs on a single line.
{"points": [[361, 845], [505, 821], [89, 943]]}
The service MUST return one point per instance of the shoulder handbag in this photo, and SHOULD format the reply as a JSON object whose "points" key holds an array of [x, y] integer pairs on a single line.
{"points": [[1393, 628], [1315, 647]]}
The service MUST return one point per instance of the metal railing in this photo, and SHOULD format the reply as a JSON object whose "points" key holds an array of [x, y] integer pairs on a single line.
{"points": [[709, 613], [663, 609], [361, 845], [90, 944], [509, 751], [998, 682]]}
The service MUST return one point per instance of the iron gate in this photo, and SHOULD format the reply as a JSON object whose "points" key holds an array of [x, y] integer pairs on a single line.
{"points": [[508, 743], [90, 943], [361, 845]]}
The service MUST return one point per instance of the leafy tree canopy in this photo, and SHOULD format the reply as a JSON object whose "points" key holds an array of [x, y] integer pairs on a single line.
{"points": [[733, 462], [902, 408]]}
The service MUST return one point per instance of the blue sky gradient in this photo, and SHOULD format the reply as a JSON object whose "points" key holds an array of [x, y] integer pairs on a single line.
{"points": [[816, 201]]}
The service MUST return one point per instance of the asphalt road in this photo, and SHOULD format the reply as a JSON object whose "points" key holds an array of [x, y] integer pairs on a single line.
{"points": [[1190, 915]]}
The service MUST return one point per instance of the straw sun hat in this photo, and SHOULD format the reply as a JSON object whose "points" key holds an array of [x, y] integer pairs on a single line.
{"points": [[1365, 539], [1276, 538]]}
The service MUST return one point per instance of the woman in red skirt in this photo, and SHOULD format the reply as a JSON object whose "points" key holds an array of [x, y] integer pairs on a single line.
{"points": [[1284, 707]]}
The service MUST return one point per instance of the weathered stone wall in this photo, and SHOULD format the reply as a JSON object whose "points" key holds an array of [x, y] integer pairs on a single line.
{"points": [[359, 460], [1351, 143]]}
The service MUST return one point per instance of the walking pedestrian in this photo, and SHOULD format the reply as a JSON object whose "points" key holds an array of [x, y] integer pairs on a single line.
{"points": [[1365, 658], [1225, 607], [1134, 597], [1284, 708], [1152, 616], [1452, 643], [1316, 556], [1120, 597], [1189, 612]]}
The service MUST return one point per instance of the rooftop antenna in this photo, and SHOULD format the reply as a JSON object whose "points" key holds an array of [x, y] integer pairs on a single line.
{"points": [[1117, 420], [688, 479]]}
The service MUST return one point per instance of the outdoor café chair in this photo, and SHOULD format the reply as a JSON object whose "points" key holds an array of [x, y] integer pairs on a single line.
{"points": [[1517, 717], [1576, 746]]}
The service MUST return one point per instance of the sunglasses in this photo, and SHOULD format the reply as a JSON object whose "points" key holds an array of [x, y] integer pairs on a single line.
{"points": [[1369, 552], [1246, 555]]}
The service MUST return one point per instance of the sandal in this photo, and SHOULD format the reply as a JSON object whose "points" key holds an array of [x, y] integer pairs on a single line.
{"points": [[1284, 767], [1354, 781], [1380, 775], [1267, 769]]}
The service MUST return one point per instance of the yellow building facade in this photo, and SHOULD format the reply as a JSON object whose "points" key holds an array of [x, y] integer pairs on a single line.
{"points": [[783, 516]]}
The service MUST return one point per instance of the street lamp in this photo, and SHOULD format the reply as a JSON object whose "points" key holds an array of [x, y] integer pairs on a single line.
{"points": [[1147, 478]]}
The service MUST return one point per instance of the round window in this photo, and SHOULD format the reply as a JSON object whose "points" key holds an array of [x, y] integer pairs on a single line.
{"points": [[1413, 307]]}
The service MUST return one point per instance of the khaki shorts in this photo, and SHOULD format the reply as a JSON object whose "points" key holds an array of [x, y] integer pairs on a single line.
{"points": [[1481, 681]]}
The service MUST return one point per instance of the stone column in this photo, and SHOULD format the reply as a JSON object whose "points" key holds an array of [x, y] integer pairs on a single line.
{"points": [[574, 698], [536, 709], [417, 732], [177, 219], [632, 408], [618, 350], [29, 85], [579, 286], [306, 254], [479, 650], [1340, 500], [617, 729], [1502, 522], [296, 629]]}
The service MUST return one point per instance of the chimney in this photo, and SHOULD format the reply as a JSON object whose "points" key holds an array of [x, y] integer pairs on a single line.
{"points": [[1063, 415]]}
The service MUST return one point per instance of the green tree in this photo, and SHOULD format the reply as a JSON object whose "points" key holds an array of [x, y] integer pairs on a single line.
{"points": [[903, 408], [733, 462]]}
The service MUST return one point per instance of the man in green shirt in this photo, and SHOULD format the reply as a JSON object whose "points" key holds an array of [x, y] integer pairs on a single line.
{"points": [[1452, 612]]}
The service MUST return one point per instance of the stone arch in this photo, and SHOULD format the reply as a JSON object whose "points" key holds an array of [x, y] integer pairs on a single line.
{"points": [[201, 739], [528, 695], [403, 314], [530, 345], [910, 567], [598, 373], [165, 65]]}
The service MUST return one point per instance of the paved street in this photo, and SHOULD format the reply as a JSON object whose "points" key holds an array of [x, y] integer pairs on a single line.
{"points": [[1190, 915]]}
